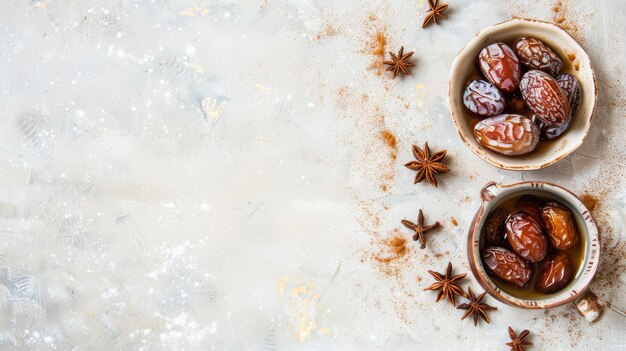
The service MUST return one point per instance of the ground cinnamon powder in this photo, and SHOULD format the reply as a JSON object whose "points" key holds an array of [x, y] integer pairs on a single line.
{"points": [[380, 44], [392, 253], [454, 221], [589, 201], [396, 248], [561, 17], [377, 47], [390, 140]]}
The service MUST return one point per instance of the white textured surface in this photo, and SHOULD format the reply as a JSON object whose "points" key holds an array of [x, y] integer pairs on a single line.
{"points": [[209, 175]]}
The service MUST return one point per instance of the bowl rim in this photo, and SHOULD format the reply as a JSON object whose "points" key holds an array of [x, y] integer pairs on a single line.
{"points": [[588, 267], [486, 154]]}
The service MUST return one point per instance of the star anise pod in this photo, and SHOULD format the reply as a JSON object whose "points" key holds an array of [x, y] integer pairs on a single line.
{"points": [[435, 10], [475, 307], [399, 63], [517, 342], [419, 228], [446, 284], [426, 165]]}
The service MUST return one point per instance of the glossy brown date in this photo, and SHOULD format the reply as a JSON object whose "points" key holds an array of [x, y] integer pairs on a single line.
{"points": [[483, 99], [493, 230], [550, 133], [560, 226], [555, 273], [531, 206], [507, 265], [507, 134], [500, 66], [526, 237], [572, 91], [535, 54], [545, 98]]}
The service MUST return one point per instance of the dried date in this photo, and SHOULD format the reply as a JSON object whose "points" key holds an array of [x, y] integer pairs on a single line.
{"points": [[500, 66], [550, 133], [526, 237], [507, 134], [535, 54], [560, 226], [545, 98], [483, 99], [507, 265], [531, 206], [572, 91], [493, 230], [555, 273]]}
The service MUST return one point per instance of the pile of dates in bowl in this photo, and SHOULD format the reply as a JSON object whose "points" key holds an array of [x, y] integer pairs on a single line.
{"points": [[531, 247], [524, 96]]}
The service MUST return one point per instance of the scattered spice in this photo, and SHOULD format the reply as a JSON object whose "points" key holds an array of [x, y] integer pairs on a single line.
{"points": [[398, 245], [426, 165], [565, 18], [378, 45], [454, 222], [589, 201], [390, 140], [399, 63], [440, 255], [517, 342], [446, 285], [397, 248], [419, 228], [435, 10], [475, 308]]}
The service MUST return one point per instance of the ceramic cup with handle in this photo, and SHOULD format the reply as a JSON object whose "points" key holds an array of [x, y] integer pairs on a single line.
{"points": [[577, 291]]}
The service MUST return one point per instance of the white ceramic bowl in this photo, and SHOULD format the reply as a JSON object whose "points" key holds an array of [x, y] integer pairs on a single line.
{"points": [[465, 68]]}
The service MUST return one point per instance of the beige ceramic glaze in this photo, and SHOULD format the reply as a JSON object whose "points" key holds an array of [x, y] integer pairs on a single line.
{"points": [[464, 67], [492, 196]]}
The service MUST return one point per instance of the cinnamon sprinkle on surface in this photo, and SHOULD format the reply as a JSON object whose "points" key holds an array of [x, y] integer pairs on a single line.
{"points": [[395, 249], [378, 47], [390, 140], [589, 201], [380, 44]]}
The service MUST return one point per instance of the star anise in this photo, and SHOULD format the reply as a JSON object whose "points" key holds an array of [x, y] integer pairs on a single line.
{"points": [[446, 284], [419, 228], [475, 307], [426, 165], [517, 342], [399, 63], [435, 10]]}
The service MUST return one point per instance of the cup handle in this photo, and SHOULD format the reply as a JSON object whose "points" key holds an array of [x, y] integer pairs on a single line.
{"points": [[489, 191], [590, 306]]}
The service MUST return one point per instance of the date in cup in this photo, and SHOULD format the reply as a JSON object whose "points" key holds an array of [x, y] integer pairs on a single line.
{"points": [[535, 245]]}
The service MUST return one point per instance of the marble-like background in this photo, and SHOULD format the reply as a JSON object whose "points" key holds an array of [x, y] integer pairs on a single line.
{"points": [[210, 175]]}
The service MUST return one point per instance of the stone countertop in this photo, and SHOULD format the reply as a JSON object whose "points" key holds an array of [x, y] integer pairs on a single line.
{"points": [[227, 175]]}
